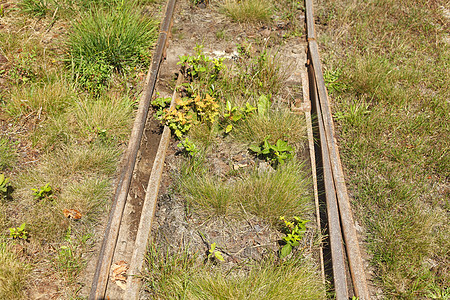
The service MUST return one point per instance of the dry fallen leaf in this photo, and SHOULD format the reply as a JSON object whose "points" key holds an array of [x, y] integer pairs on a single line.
{"points": [[119, 273], [72, 214]]}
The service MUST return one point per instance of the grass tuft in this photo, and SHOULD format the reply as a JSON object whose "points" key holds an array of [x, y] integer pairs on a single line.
{"points": [[281, 124], [41, 99], [182, 276], [248, 10], [109, 39], [8, 154], [269, 195], [13, 273]]}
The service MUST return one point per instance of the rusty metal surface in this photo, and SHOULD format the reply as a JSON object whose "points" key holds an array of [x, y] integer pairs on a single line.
{"points": [[334, 226], [327, 133], [352, 245], [148, 211], [101, 275], [348, 227]]}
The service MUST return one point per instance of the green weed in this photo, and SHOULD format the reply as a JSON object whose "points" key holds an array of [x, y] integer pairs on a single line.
{"points": [[294, 233], [233, 114], [188, 146], [43, 192], [19, 232], [5, 186], [277, 153], [215, 254]]}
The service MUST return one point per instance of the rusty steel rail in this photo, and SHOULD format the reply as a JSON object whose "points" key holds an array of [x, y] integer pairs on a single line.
{"points": [[335, 188], [101, 275], [148, 210]]}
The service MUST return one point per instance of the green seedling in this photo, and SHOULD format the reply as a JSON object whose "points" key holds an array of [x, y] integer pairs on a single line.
{"points": [[199, 65], [294, 233], [276, 154], [19, 232], [188, 146], [43, 192], [234, 114], [214, 254]]}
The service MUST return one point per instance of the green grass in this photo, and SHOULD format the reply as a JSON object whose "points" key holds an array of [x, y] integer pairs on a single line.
{"points": [[40, 99], [182, 276], [248, 10], [269, 195], [391, 106], [8, 154], [254, 75], [280, 124], [80, 179], [13, 273], [107, 40]]}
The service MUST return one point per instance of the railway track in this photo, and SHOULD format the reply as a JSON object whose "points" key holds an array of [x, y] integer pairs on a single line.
{"points": [[130, 222]]}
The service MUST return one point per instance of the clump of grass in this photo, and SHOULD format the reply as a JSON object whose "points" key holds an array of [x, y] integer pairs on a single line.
{"points": [[13, 273], [248, 10], [108, 118], [41, 99], [181, 275], [35, 8], [8, 154], [269, 195], [103, 119], [254, 75], [106, 40], [280, 124]]}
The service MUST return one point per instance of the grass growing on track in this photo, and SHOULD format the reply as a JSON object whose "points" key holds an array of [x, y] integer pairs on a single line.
{"points": [[182, 276], [269, 195], [390, 61], [248, 10]]}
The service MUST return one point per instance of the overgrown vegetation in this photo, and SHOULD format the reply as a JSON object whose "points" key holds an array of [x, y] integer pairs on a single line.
{"points": [[64, 130], [182, 275], [233, 107], [391, 96]]}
